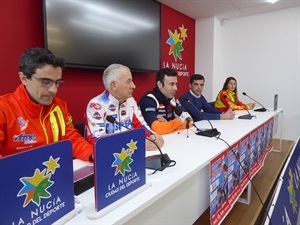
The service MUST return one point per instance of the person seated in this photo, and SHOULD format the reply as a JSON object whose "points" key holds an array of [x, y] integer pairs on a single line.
{"points": [[197, 106], [32, 116], [117, 101], [158, 106], [228, 97]]}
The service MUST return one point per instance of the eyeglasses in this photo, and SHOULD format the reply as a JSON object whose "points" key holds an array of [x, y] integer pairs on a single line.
{"points": [[48, 82]]}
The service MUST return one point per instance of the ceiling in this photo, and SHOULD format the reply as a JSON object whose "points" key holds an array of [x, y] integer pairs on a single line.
{"points": [[226, 9]]}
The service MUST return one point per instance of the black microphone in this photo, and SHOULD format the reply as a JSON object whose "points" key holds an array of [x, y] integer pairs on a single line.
{"points": [[263, 109], [208, 132], [245, 117], [154, 162], [179, 110]]}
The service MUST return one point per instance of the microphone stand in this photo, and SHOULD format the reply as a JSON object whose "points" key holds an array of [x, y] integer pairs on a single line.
{"points": [[158, 162], [247, 116], [260, 110], [263, 109], [187, 127], [209, 132], [213, 132]]}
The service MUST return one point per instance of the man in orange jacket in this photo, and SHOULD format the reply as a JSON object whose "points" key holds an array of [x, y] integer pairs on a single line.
{"points": [[32, 116], [159, 105]]}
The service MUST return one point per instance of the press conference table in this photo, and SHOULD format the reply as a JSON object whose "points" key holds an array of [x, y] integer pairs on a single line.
{"points": [[179, 194]]}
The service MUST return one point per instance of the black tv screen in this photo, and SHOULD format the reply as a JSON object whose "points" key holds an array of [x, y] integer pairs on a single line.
{"points": [[97, 33]]}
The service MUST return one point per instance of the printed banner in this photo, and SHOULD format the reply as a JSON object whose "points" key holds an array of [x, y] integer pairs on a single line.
{"points": [[120, 166], [231, 170], [37, 185], [286, 210]]}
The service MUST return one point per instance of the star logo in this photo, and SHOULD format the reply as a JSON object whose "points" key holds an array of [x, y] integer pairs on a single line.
{"points": [[175, 41], [122, 162], [132, 146], [124, 158], [36, 187], [51, 165]]}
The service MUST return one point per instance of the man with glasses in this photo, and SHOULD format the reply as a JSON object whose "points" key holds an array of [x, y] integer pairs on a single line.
{"points": [[32, 116]]}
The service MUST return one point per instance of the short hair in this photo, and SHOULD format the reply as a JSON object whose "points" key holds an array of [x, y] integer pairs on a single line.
{"points": [[196, 77], [165, 72], [226, 83], [36, 58], [112, 72]]}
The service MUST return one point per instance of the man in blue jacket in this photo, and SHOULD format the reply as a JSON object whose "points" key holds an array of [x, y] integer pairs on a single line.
{"points": [[196, 104]]}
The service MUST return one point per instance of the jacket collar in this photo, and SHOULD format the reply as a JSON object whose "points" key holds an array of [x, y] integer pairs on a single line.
{"points": [[31, 107], [160, 96]]}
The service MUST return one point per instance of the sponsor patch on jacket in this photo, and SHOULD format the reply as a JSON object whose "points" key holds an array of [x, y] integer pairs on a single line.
{"points": [[25, 138], [150, 109], [173, 102], [70, 119], [95, 106], [112, 108], [123, 112], [23, 124], [97, 116], [100, 124]]}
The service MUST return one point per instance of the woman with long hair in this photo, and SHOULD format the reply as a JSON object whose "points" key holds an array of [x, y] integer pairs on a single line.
{"points": [[228, 97]]}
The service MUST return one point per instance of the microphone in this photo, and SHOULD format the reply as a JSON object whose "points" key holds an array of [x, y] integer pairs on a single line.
{"points": [[154, 162], [245, 117], [184, 115], [263, 109], [208, 132]]}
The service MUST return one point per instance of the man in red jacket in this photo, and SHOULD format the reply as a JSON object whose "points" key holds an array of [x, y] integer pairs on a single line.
{"points": [[32, 116]]}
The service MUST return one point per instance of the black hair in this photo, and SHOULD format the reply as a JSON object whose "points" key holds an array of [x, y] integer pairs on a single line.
{"points": [[36, 58], [196, 77], [165, 72]]}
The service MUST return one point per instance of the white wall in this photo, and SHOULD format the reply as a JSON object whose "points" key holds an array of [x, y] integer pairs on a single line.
{"points": [[204, 58], [262, 53]]}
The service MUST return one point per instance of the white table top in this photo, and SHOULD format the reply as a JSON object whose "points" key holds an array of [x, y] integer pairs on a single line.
{"points": [[191, 155]]}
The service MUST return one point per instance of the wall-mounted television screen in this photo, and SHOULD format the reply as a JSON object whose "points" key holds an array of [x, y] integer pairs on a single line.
{"points": [[97, 33]]}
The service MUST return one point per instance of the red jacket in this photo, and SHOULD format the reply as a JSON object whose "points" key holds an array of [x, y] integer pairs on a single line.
{"points": [[227, 99], [25, 125]]}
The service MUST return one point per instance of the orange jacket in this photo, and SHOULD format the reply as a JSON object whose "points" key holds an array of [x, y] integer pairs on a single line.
{"points": [[230, 101], [25, 125], [154, 103]]}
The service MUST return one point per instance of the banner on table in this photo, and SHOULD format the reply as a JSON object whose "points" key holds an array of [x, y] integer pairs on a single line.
{"points": [[231, 170]]}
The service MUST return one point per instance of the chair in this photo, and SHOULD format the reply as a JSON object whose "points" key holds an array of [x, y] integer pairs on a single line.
{"points": [[80, 126], [212, 104]]}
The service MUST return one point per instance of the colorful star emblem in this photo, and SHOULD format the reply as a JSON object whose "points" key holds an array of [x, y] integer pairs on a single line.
{"points": [[175, 41], [122, 162], [35, 187]]}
